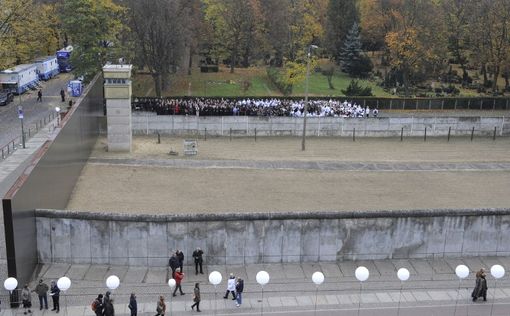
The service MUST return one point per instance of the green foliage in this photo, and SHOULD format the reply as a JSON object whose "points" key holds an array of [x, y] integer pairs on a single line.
{"points": [[276, 77], [353, 61], [356, 90], [341, 15], [93, 27]]}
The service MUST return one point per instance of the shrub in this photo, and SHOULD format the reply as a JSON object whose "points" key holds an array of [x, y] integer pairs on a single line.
{"points": [[355, 89], [276, 78]]}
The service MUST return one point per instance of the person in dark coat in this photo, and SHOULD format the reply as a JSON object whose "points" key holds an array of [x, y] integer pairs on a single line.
{"points": [[173, 262], [39, 95], [42, 289], [55, 295], [180, 258], [239, 291], [480, 289], [197, 255], [133, 306], [108, 307], [196, 298], [63, 95], [98, 302]]}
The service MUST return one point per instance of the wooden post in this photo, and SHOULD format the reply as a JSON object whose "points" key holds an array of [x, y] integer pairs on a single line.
{"points": [[231, 134], [425, 135], [494, 135], [159, 139], [205, 133], [402, 134], [472, 132], [255, 134], [354, 134], [449, 131]]}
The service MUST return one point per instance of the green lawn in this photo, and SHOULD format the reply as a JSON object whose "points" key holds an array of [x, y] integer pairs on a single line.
{"points": [[223, 83]]}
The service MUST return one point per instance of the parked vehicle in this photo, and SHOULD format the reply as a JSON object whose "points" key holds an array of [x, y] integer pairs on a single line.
{"points": [[20, 78], [6, 97], [63, 57], [47, 67]]}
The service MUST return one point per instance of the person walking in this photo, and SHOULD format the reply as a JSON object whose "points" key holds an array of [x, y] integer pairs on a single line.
{"points": [[42, 292], [98, 305], [180, 258], [133, 306], [197, 255], [239, 291], [231, 287], [173, 263], [196, 298], [63, 95], [161, 307], [55, 296], [39, 96], [179, 276], [109, 310], [480, 289], [26, 299]]}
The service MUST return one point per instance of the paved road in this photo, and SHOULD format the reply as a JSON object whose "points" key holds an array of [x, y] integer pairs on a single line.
{"points": [[34, 112]]}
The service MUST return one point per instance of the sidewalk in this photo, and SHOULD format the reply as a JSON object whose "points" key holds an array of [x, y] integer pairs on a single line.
{"points": [[432, 283]]}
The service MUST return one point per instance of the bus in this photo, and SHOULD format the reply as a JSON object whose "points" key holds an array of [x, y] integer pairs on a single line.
{"points": [[63, 57]]}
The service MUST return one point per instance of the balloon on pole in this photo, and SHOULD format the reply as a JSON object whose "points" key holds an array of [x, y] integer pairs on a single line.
{"points": [[403, 274], [462, 271], [215, 278], [362, 274], [112, 282], [497, 271], [262, 278], [171, 283], [318, 278], [10, 284], [64, 283]]}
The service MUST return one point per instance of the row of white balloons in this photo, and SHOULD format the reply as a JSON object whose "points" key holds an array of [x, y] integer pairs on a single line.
{"points": [[262, 277]]}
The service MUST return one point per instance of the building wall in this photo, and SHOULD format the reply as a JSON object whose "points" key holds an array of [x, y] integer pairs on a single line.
{"points": [[102, 238], [148, 123]]}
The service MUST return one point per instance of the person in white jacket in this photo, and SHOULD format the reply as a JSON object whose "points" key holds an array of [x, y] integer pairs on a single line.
{"points": [[231, 287]]}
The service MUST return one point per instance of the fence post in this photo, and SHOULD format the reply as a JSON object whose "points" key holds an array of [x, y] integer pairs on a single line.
{"points": [[481, 103], [469, 104], [442, 104], [455, 105], [402, 134], [205, 133], [354, 134], [494, 104], [159, 138], [494, 136], [449, 131], [430, 104], [506, 107], [231, 134], [425, 135], [472, 132], [391, 102], [255, 134], [417, 104], [3, 157]]}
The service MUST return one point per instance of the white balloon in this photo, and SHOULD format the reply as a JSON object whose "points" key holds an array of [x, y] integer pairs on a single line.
{"points": [[403, 274], [171, 283], [64, 283], [362, 274], [318, 278], [215, 278], [497, 271], [10, 284], [112, 282], [262, 277], [462, 271]]}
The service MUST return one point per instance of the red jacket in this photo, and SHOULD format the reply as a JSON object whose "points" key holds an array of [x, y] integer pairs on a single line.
{"points": [[178, 276]]}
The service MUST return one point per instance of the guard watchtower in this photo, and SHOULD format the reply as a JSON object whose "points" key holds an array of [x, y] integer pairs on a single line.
{"points": [[117, 92]]}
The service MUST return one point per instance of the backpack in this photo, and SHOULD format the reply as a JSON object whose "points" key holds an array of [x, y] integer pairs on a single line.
{"points": [[94, 305]]}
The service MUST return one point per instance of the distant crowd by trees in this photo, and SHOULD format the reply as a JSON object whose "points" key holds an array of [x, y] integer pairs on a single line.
{"points": [[416, 40]]}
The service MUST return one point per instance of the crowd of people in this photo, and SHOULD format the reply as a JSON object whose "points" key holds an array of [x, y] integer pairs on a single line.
{"points": [[252, 107]]}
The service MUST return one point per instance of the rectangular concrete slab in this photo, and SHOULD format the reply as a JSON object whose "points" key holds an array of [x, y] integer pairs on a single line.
{"points": [[423, 268], [384, 297], [56, 271], [344, 299], [309, 269], [369, 298], [135, 274], [119, 271], [77, 271], [385, 267], [288, 301], [330, 270], [421, 296], [97, 273], [332, 299], [156, 275], [305, 300]]}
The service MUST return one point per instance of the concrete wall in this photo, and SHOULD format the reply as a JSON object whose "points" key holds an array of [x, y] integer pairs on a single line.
{"points": [[149, 123], [49, 180], [80, 237]]}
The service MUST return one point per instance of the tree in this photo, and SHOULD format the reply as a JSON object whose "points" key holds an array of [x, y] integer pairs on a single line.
{"points": [[356, 90], [94, 27], [161, 32], [341, 15], [353, 61]]}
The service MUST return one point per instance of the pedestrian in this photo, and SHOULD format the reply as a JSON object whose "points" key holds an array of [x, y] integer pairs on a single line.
{"points": [[196, 298], [42, 289], [375, 112], [239, 291], [133, 306], [179, 276], [39, 96], [63, 95], [480, 289], [26, 299], [197, 255], [161, 307], [55, 295], [70, 104], [180, 258], [231, 287], [98, 305], [109, 310], [173, 263]]}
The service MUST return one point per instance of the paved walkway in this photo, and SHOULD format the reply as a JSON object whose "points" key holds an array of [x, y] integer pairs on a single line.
{"points": [[305, 165], [432, 283]]}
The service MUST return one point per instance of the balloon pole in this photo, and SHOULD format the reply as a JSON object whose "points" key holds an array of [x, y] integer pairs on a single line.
{"points": [[215, 300], [457, 299], [65, 302], [262, 303], [494, 296], [399, 297], [359, 302], [316, 293]]}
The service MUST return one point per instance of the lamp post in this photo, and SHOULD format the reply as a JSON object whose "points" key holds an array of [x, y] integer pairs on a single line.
{"points": [[403, 275], [462, 272], [215, 279], [21, 115], [318, 279], [171, 284], [361, 274], [10, 284], [305, 110], [64, 283], [497, 272], [262, 278]]}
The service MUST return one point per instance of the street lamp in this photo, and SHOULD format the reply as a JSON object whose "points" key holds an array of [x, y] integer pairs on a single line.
{"points": [[21, 115], [306, 93]]}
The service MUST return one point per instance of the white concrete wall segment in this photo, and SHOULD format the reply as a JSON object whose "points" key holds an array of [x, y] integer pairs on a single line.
{"points": [[141, 240], [145, 123]]}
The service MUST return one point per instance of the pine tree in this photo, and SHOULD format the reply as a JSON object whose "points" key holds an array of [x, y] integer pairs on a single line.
{"points": [[351, 56], [341, 14]]}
